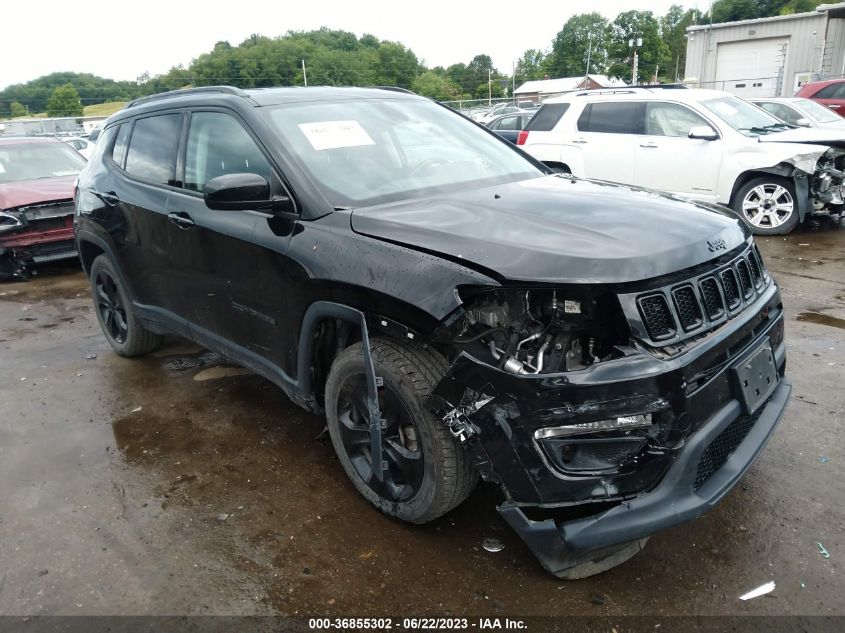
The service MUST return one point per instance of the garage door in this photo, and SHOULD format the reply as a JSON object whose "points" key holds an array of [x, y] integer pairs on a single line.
{"points": [[750, 68]]}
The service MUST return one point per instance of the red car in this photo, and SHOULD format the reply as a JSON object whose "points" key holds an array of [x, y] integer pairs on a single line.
{"points": [[830, 93], [37, 176]]}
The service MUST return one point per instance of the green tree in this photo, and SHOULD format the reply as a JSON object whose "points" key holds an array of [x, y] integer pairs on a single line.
{"points": [[64, 102], [432, 85], [673, 28], [733, 10], [396, 65], [16, 109], [582, 33], [530, 65], [653, 53]]}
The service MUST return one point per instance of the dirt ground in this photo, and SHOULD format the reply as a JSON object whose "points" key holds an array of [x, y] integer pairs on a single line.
{"points": [[177, 484]]}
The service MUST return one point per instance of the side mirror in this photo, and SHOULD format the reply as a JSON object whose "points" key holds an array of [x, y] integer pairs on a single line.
{"points": [[243, 192], [703, 132], [803, 122]]}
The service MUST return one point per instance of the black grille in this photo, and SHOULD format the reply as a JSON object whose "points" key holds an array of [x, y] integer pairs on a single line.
{"points": [[715, 455], [745, 278], [657, 317], [712, 298], [754, 266], [687, 306], [731, 289]]}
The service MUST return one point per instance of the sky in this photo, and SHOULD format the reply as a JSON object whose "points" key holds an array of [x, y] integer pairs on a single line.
{"points": [[122, 40]]}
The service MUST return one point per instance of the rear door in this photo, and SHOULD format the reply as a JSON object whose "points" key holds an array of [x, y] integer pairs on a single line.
{"points": [[608, 133], [144, 157], [668, 160], [833, 97]]}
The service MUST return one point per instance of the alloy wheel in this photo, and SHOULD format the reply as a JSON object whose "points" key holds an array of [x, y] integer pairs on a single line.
{"points": [[402, 453], [768, 206], [110, 307]]}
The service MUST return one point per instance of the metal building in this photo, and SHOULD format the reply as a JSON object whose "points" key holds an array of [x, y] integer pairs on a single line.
{"points": [[768, 57]]}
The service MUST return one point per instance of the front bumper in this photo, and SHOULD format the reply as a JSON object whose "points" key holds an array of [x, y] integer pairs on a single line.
{"points": [[674, 501], [671, 481]]}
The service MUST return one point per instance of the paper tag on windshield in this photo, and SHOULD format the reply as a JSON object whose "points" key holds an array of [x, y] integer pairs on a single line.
{"points": [[335, 134]]}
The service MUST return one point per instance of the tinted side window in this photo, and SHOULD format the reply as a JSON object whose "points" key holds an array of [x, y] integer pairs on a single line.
{"points": [[507, 123], [219, 145], [118, 152], [152, 148], [833, 91], [547, 117], [613, 118]]}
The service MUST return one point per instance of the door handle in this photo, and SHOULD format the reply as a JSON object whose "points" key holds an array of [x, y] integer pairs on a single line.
{"points": [[580, 141], [181, 219], [649, 145]]}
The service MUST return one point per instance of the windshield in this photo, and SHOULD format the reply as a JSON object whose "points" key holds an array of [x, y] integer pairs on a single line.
{"points": [[30, 161], [744, 117], [817, 112], [370, 151]]}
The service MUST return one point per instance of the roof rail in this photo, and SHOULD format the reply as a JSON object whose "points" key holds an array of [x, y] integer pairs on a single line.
{"points": [[231, 90], [605, 91], [661, 86], [394, 89]]}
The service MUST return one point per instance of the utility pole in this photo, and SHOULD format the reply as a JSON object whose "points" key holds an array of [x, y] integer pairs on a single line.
{"points": [[513, 81], [589, 54], [677, 63], [304, 76], [489, 86], [634, 43]]}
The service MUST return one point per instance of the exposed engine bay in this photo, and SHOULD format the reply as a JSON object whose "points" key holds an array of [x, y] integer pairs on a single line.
{"points": [[542, 331], [827, 182]]}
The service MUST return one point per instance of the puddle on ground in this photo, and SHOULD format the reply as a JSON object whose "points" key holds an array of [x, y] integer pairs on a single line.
{"points": [[212, 373], [821, 319]]}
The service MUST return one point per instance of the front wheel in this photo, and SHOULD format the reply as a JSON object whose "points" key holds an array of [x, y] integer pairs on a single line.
{"points": [[425, 471], [767, 205]]}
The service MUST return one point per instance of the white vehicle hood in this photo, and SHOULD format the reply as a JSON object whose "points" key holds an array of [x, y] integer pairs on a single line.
{"points": [[832, 137]]}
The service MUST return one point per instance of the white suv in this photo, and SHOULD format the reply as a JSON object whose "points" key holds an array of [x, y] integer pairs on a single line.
{"points": [[701, 144]]}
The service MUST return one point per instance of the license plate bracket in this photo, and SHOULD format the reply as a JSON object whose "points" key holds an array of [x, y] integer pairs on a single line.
{"points": [[756, 377]]}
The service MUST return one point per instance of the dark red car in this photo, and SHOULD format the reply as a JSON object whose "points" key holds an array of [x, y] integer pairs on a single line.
{"points": [[830, 93], [37, 176]]}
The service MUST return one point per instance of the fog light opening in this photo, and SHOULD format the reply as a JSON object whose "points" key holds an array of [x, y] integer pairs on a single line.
{"points": [[623, 423]]}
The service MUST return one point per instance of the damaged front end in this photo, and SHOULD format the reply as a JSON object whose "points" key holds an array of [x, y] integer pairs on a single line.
{"points": [[35, 234], [609, 412], [827, 184]]}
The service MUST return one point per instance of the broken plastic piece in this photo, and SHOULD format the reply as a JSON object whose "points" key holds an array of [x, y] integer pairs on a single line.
{"points": [[824, 459], [492, 545], [823, 551], [762, 590]]}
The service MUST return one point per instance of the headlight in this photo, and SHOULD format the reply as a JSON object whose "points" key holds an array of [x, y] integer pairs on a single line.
{"points": [[9, 222]]}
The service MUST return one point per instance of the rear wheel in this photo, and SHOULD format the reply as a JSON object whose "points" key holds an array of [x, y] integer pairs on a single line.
{"points": [[425, 470], [121, 327], [767, 205]]}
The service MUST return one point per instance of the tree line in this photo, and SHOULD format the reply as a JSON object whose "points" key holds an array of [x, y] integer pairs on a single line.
{"points": [[340, 58]]}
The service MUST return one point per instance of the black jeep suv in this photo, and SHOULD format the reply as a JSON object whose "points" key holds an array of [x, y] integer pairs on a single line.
{"points": [[612, 358]]}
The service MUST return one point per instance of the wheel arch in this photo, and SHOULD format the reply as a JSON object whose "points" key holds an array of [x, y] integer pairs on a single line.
{"points": [[782, 170]]}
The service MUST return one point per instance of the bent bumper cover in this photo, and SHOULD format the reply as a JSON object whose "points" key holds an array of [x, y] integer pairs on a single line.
{"points": [[672, 502]]}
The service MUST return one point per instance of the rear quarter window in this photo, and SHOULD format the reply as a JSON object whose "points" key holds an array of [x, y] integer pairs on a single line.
{"points": [[547, 117], [613, 118]]}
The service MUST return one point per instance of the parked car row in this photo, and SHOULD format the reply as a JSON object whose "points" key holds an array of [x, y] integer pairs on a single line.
{"points": [[704, 145]]}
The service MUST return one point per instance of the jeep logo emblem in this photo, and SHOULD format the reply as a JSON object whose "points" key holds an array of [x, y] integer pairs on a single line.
{"points": [[716, 245]]}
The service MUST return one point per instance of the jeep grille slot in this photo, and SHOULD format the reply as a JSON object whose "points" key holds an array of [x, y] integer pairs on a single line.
{"points": [[731, 287], [686, 303], [754, 266], [712, 299], [657, 316], [745, 282]]}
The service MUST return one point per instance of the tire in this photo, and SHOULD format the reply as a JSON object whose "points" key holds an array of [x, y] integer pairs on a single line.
{"points": [[428, 471], [767, 205], [121, 327]]}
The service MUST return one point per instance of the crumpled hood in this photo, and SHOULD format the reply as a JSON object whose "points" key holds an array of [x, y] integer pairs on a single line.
{"points": [[26, 192], [558, 229], [830, 136]]}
